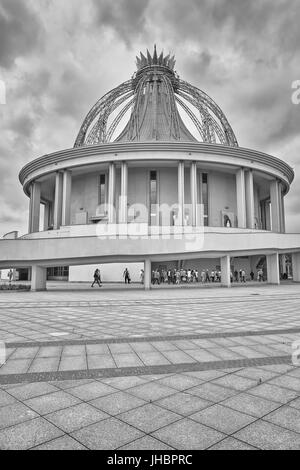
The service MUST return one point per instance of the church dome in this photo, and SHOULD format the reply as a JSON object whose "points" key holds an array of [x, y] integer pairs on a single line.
{"points": [[159, 106]]}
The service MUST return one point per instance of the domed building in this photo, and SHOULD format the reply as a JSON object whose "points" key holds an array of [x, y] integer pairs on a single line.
{"points": [[156, 180]]}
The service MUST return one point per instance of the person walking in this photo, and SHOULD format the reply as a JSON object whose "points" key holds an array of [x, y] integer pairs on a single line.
{"points": [[97, 278], [243, 276], [126, 276], [10, 275], [142, 276]]}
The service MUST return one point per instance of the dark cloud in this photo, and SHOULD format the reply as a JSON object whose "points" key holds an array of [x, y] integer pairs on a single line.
{"points": [[244, 54], [126, 18], [20, 31]]}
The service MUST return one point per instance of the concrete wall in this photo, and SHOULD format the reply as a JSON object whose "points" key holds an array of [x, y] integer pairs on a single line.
{"points": [[84, 194], [222, 196], [138, 189], [112, 272], [222, 192]]}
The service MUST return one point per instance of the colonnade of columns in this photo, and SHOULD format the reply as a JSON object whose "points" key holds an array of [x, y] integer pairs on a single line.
{"points": [[38, 273], [61, 207], [273, 270], [246, 204]]}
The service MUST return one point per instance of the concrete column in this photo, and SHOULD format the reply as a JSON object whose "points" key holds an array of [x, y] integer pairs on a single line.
{"points": [[66, 197], [181, 193], [282, 213], [268, 215], [225, 271], [35, 204], [58, 201], [241, 198], [124, 193], [273, 269], [281, 209], [46, 216], [296, 267], [249, 188], [111, 193], [38, 278], [194, 193], [147, 274], [30, 210], [275, 206]]}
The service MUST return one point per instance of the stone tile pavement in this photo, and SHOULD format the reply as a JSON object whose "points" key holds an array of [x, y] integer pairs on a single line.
{"points": [[196, 410], [209, 372]]}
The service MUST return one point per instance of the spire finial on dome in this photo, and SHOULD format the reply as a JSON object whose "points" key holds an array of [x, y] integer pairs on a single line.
{"points": [[148, 60]]}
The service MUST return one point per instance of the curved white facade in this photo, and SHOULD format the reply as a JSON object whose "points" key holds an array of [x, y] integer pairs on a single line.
{"points": [[153, 201]]}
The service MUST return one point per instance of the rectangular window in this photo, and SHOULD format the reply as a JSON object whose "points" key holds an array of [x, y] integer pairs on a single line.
{"points": [[102, 190], [58, 272], [153, 198], [205, 198]]}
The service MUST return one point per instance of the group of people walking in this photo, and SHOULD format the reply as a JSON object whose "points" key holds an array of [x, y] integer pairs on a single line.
{"points": [[187, 276], [174, 276]]}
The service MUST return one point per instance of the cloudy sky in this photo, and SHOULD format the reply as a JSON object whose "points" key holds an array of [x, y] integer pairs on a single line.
{"points": [[58, 57]]}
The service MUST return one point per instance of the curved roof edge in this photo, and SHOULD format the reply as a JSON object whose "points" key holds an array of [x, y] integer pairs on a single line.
{"points": [[189, 147]]}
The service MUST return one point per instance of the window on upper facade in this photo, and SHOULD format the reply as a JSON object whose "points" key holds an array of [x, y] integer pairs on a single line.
{"points": [[205, 198], [102, 189], [153, 198]]}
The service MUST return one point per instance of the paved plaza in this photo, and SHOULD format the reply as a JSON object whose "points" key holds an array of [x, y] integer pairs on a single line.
{"points": [[168, 369]]}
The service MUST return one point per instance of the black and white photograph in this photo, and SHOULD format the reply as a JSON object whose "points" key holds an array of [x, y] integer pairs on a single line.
{"points": [[149, 228]]}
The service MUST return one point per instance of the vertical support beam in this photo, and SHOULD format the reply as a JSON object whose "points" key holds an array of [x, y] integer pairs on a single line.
{"points": [[283, 213], [273, 269], [249, 188], [225, 271], [38, 278], [35, 204], [296, 267], [281, 209], [46, 216], [241, 198], [30, 209], [147, 274], [268, 215], [111, 193], [66, 198], [181, 193], [124, 194], [194, 193], [58, 201], [275, 206]]}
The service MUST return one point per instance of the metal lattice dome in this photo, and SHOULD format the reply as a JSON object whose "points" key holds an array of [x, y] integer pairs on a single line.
{"points": [[158, 104]]}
